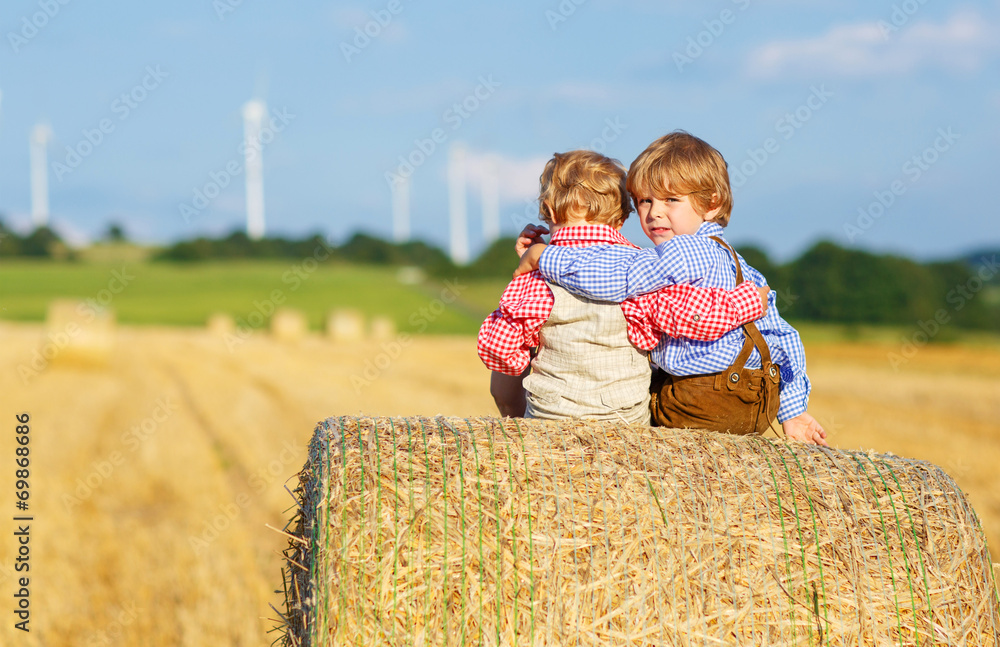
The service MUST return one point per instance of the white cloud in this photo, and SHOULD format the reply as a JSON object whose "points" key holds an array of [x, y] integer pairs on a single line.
{"points": [[517, 178], [961, 44]]}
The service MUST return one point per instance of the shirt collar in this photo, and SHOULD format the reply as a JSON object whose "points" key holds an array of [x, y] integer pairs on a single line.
{"points": [[709, 228], [589, 234]]}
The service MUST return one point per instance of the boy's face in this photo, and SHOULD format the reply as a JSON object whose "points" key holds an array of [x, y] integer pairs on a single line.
{"points": [[661, 220]]}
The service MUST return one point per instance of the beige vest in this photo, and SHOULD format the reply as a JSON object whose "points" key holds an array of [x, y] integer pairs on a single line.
{"points": [[586, 366]]}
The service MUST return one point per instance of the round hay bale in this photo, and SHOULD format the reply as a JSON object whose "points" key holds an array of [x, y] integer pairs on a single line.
{"points": [[411, 275], [289, 325], [415, 531], [383, 329], [345, 326], [221, 324], [78, 333]]}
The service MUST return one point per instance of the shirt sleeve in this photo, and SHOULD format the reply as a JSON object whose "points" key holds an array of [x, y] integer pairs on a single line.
{"points": [[511, 331], [616, 272], [787, 352], [703, 314]]}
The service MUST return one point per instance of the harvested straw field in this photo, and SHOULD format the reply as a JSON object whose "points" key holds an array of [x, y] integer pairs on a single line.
{"points": [[501, 532], [177, 438]]}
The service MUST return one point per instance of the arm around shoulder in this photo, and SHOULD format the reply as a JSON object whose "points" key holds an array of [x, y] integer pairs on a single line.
{"points": [[613, 272], [702, 314]]}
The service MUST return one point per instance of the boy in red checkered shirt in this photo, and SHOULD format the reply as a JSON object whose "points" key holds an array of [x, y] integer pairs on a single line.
{"points": [[592, 359]]}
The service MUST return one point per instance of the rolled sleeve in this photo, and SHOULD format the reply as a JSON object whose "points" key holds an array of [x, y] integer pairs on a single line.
{"points": [[508, 334], [501, 345], [794, 396], [702, 314]]}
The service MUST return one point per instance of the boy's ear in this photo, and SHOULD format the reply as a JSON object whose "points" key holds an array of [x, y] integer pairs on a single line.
{"points": [[548, 211], [713, 212]]}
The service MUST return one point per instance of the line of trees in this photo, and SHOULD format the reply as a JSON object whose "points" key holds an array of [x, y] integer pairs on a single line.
{"points": [[833, 284], [41, 243], [495, 262], [827, 283]]}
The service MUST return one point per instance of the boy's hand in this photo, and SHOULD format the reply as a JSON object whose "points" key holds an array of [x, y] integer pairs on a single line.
{"points": [[764, 291], [529, 236], [804, 428], [529, 260]]}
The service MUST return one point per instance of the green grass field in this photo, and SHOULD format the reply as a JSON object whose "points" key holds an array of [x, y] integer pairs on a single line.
{"points": [[185, 295], [147, 293]]}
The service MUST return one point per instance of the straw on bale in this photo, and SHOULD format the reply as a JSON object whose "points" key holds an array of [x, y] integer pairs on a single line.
{"points": [[345, 325], [289, 325], [78, 333], [446, 531]]}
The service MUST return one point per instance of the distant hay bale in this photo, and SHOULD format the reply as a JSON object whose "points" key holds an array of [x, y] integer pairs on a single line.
{"points": [[411, 275], [446, 531], [383, 328], [345, 325], [78, 333], [221, 324], [289, 325]]}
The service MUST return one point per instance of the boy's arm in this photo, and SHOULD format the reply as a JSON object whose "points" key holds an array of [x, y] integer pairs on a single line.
{"points": [[617, 272], [508, 334], [787, 352], [703, 314], [508, 393]]}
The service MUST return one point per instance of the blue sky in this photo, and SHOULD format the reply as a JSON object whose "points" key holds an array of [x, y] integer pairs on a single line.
{"points": [[821, 106]]}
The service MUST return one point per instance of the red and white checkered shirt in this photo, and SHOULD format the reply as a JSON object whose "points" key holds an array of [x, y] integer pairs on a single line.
{"points": [[703, 314]]}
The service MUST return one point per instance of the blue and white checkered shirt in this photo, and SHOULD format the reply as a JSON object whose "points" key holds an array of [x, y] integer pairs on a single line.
{"points": [[616, 272]]}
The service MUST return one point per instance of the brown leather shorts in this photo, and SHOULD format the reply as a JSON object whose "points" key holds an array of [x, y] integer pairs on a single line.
{"points": [[746, 405]]}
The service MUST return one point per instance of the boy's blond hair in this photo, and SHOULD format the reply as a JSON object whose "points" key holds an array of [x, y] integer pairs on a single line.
{"points": [[689, 166], [583, 183]]}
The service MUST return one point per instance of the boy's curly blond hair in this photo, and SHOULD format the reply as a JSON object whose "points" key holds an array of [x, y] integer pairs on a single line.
{"points": [[688, 166], [583, 183]]}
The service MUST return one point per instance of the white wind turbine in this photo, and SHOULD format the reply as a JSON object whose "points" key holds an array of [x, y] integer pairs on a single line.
{"points": [[456, 204], [254, 112], [41, 134], [490, 198]]}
